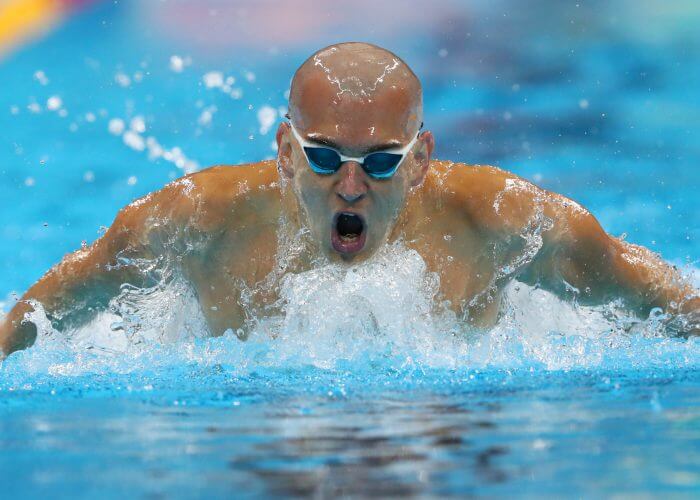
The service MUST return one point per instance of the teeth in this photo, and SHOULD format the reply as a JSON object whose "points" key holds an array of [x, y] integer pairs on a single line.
{"points": [[348, 237]]}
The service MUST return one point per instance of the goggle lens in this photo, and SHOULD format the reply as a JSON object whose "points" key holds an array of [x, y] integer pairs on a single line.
{"points": [[381, 164], [324, 160]]}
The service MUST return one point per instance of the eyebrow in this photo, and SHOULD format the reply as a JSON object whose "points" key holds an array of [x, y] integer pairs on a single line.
{"points": [[327, 141]]}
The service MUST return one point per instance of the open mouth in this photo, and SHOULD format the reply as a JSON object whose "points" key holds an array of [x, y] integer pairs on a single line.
{"points": [[349, 233]]}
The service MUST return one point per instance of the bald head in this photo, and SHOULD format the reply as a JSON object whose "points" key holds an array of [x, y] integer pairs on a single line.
{"points": [[351, 87]]}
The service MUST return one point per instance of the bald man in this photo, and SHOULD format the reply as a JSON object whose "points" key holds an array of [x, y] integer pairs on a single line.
{"points": [[353, 173]]}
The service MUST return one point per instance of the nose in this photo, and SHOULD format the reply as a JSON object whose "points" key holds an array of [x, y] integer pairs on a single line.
{"points": [[352, 186]]}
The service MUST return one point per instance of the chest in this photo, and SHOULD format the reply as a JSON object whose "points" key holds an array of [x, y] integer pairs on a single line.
{"points": [[239, 278], [464, 259]]}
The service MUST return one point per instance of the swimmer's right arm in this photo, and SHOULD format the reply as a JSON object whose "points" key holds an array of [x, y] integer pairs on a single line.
{"points": [[85, 281], [81, 283]]}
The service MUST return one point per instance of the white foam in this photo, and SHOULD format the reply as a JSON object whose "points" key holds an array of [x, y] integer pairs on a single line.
{"points": [[383, 314]]}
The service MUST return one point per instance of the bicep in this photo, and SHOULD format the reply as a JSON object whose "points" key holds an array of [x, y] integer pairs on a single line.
{"points": [[92, 275], [577, 252], [557, 242], [87, 279], [68, 294]]}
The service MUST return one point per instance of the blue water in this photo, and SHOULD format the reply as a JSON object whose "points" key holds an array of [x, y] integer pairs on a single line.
{"points": [[597, 100]]}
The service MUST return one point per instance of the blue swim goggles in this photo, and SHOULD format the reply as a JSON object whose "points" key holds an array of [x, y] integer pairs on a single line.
{"points": [[378, 165]]}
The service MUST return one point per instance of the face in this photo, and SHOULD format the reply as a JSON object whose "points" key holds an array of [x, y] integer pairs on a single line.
{"points": [[351, 214]]}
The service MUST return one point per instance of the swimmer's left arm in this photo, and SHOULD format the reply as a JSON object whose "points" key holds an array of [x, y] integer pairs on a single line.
{"points": [[578, 252], [570, 250]]}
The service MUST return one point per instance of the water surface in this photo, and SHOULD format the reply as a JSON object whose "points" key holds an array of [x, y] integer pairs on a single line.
{"points": [[596, 100]]}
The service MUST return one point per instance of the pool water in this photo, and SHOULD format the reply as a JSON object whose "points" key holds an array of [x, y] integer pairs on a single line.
{"points": [[598, 101]]}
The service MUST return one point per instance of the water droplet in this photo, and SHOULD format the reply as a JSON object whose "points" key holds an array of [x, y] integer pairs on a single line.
{"points": [[177, 63], [122, 79], [40, 77], [138, 124], [54, 103], [213, 79], [266, 117], [116, 126]]}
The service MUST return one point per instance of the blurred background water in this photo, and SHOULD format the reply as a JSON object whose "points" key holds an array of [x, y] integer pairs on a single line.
{"points": [[597, 100], [106, 101]]}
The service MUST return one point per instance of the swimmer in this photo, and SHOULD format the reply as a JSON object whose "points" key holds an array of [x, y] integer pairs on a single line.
{"points": [[353, 173]]}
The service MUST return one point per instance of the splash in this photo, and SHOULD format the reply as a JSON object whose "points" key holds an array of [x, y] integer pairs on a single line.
{"points": [[380, 317], [133, 137]]}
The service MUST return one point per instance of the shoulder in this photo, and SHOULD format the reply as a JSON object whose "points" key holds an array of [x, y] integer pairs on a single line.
{"points": [[501, 202], [467, 182], [486, 195], [225, 181], [206, 198]]}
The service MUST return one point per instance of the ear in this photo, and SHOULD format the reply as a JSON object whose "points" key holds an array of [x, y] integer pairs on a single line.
{"points": [[426, 144], [284, 150]]}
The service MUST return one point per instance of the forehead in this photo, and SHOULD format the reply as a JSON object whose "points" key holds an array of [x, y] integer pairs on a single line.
{"points": [[353, 113]]}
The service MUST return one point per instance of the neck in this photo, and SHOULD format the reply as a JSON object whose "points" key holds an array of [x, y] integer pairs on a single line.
{"points": [[296, 249], [406, 218]]}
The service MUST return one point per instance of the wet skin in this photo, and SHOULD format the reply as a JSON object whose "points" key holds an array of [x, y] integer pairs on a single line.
{"points": [[232, 231]]}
